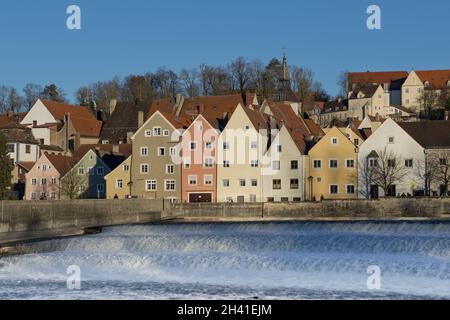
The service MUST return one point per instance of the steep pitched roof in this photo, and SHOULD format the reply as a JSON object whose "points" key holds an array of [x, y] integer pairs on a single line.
{"points": [[438, 79], [259, 120], [375, 77], [61, 163], [429, 134], [27, 165], [367, 89], [314, 128], [82, 119], [11, 118], [106, 153], [15, 132], [124, 119]]}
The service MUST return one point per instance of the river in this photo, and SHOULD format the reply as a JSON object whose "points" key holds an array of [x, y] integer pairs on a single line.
{"points": [[271, 260]]}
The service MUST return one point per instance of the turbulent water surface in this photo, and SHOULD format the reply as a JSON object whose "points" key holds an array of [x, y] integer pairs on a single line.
{"points": [[295, 260]]}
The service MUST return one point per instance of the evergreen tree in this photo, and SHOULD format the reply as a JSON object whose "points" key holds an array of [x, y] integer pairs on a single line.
{"points": [[5, 169]]}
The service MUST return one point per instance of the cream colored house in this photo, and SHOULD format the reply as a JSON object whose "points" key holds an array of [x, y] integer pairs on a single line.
{"points": [[368, 100], [118, 181], [241, 147], [332, 172]]}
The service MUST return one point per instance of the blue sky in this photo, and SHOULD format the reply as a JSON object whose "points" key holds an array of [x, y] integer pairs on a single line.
{"points": [[136, 36]]}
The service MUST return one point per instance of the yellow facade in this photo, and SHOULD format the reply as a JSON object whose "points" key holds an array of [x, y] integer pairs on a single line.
{"points": [[118, 181], [333, 168]]}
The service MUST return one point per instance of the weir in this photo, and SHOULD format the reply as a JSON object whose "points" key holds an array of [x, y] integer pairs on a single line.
{"points": [[33, 220]]}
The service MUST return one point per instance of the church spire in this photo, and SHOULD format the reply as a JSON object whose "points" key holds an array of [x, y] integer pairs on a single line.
{"points": [[285, 66]]}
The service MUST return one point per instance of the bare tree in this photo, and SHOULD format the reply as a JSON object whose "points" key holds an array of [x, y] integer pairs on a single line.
{"points": [[71, 184], [4, 91], [32, 92], [240, 74], [342, 82], [189, 82], [215, 80], [442, 171], [428, 101], [383, 168]]}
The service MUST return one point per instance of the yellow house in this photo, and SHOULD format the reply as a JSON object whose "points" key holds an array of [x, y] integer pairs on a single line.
{"points": [[118, 181], [333, 168]]}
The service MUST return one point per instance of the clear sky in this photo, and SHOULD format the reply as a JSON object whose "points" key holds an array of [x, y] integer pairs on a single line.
{"points": [[120, 37]]}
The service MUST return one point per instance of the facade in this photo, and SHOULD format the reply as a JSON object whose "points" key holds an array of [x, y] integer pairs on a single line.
{"points": [[43, 181], [117, 182], [155, 164], [21, 144], [333, 168], [368, 100], [393, 141], [61, 125], [240, 148], [199, 170]]}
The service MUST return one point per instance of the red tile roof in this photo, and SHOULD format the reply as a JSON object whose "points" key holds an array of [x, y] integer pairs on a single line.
{"points": [[374, 77], [9, 118], [438, 79], [61, 163], [26, 165]]}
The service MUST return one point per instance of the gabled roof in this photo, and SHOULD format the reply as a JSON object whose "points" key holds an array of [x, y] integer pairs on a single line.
{"points": [[15, 132], [437, 79], [11, 118], [82, 119], [106, 153], [314, 128], [367, 89], [123, 120], [27, 165], [259, 120], [429, 134], [375, 77], [61, 163]]}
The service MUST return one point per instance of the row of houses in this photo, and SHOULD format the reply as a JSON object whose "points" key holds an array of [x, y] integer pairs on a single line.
{"points": [[225, 148], [400, 95]]}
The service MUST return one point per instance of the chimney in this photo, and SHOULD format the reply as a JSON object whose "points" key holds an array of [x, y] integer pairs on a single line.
{"points": [[112, 105], [9, 114], [179, 107], [140, 119], [129, 135], [200, 109], [115, 149]]}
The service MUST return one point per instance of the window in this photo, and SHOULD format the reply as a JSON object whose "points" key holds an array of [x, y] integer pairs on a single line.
{"points": [[226, 164], [90, 171], [100, 170], [333, 164], [391, 163], [53, 181], [334, 141], [254, 163], [350, 189], [406, 90], [43, 181], [246, 127], [356, 142], [350, 163], [170, 169], [144, 151], [44, 167], [373, 163], [148, 133], [208, 145], [294, 183], [226, 183], [279, 148], [284, 199], [254, 182], [53, 195], [173, 151], [391, 140], [33, 195], [226, 146], [276, 165], [119, 183], [157, 131], [294, 165], [192, 145], [409, 163], [270, 199], [253, 198], [33, 182], [187, 163], [166, 133], [10, 147], [207, 180], [27, 149], [334, 189], [144, 168], [317, 164], [276, 184], [241, 182], [296, 199], [100, 187], [161, 151], [81, 171], [208, 163], [126, 167], [192, 180], [170, 185], [150, 185], [254, 144]]}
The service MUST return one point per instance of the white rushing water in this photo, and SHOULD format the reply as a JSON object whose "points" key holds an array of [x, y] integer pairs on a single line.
{"points": [[292, 260]]}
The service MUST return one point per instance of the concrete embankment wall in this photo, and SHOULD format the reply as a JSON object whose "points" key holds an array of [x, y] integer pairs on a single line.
{"points": [[24, 216], [377, 209]]}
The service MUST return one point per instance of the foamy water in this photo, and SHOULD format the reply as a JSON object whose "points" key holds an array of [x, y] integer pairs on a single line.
{"points": [[298, 260]]}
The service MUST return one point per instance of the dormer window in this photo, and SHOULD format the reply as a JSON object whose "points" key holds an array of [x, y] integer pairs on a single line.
{"points": [[426, 84]]}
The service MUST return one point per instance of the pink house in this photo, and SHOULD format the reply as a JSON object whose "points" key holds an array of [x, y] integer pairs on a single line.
{"points": [[43, 180], [199, 171]]}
